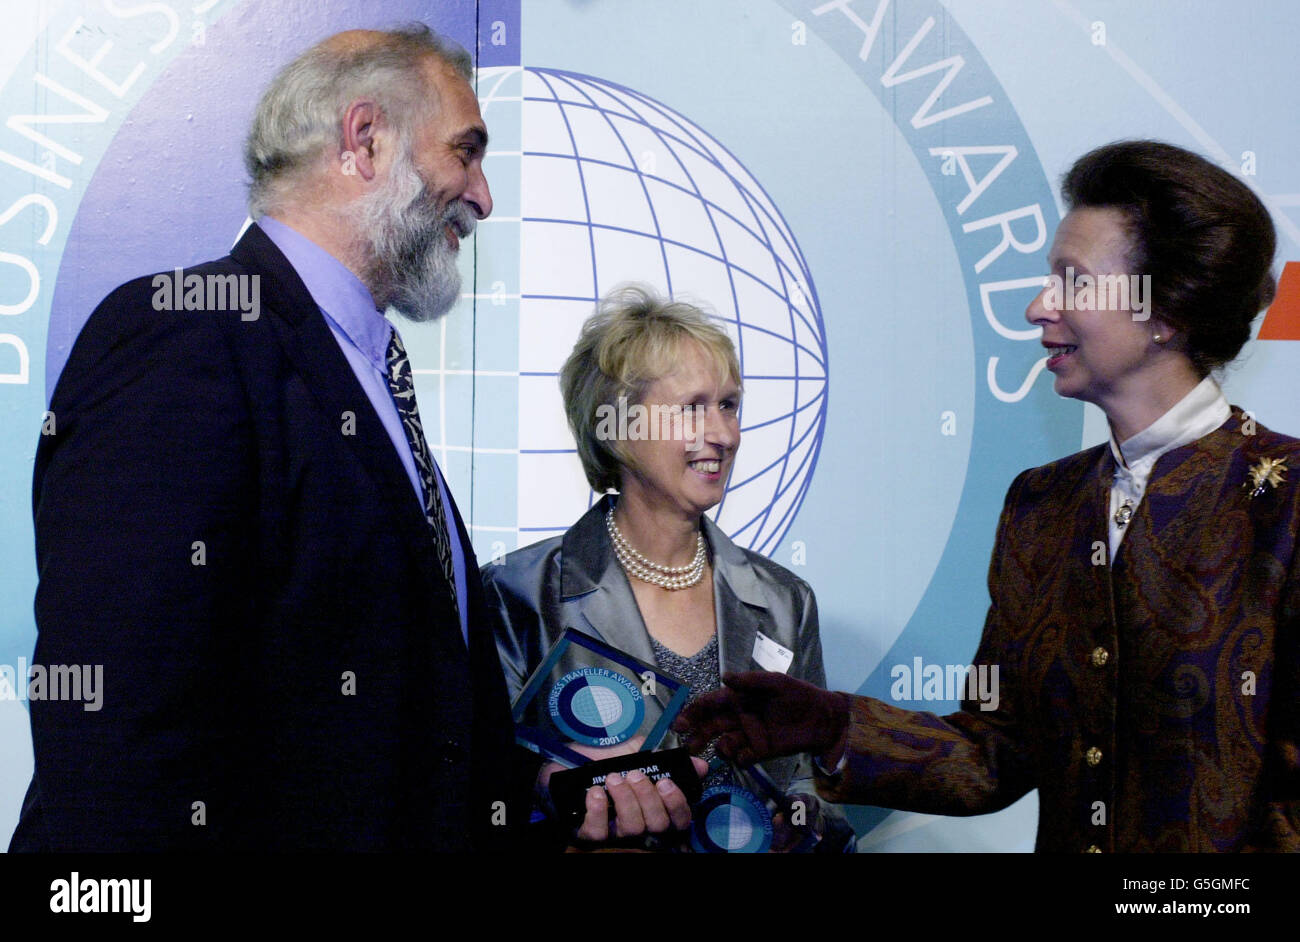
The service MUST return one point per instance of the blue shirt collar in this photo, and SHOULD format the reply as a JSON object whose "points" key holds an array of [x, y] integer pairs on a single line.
{"points": [[336, 290]]}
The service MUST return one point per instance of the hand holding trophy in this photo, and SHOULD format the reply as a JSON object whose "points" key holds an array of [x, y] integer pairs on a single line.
{"points": [[598, 714], [639, 804]]}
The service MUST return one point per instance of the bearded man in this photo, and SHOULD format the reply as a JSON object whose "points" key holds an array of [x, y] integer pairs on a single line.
{"points": [[240, 519]]}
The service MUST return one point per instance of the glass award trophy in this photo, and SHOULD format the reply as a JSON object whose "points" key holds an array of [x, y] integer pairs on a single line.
{"points": [[731, 819], [588, 700]]}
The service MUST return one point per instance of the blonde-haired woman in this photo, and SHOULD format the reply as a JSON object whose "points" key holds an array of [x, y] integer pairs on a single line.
{"points": [[645, 570]]}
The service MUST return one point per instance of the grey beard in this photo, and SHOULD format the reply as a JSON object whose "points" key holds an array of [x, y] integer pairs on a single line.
{"points": [[413, 267]]}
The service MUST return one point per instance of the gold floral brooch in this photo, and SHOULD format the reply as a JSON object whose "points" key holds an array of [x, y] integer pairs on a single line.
{"points": [[1265, 473]]}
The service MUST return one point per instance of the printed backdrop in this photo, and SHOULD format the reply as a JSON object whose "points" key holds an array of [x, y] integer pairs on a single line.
{"points": [[861, 191]]}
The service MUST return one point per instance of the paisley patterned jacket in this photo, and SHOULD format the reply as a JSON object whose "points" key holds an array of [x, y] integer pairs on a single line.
{"points": [[1153, 702]]}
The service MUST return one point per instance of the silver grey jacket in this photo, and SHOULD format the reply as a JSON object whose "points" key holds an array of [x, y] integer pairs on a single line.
{"points": [[575, 581]]}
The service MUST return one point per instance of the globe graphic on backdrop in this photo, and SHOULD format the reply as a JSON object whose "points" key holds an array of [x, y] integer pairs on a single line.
{"points": [[614, 186]]}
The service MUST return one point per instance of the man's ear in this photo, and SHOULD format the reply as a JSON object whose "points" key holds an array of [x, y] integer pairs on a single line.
{"points": [[359, 126]]}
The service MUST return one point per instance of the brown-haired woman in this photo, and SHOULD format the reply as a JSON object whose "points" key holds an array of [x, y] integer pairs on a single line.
{"points": [[1145, 617]]}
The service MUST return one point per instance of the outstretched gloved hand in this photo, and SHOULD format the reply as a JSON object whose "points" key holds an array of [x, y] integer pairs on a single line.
{"points": [[762, 714]]}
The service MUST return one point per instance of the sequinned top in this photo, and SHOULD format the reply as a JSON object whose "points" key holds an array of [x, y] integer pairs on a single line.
{"points": [[702, 673]]}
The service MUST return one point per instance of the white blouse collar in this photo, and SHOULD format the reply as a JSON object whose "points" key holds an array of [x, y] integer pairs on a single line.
{"points": [[1196, 415]]}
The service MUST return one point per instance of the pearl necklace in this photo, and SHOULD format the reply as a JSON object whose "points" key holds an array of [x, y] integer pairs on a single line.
{"points": [[666, 577]]}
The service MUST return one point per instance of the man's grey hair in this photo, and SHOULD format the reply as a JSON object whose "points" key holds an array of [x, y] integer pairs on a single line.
{"points": [[300, 116]]}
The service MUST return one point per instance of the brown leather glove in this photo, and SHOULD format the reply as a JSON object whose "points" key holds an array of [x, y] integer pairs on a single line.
{"points": [[762, 714]]}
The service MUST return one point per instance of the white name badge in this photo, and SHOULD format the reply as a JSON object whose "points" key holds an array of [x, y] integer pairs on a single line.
{"points": [[772, 656]]}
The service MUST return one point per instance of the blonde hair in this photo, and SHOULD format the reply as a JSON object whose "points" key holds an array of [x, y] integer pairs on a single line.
{"points": [[634, 338]]}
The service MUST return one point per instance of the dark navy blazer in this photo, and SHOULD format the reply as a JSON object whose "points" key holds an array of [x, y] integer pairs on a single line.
{"points": [[223, 524]]}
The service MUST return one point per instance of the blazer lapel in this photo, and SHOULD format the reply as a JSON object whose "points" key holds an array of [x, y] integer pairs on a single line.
{"points": [[594, 590], [315, 353], [1188, 481], [738, 602]]}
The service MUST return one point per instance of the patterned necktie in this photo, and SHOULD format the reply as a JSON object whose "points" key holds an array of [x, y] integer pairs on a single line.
{"points": [[402, 387]]}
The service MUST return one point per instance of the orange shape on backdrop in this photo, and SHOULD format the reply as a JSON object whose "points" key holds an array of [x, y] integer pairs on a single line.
{"points": [[1282, 321]]}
